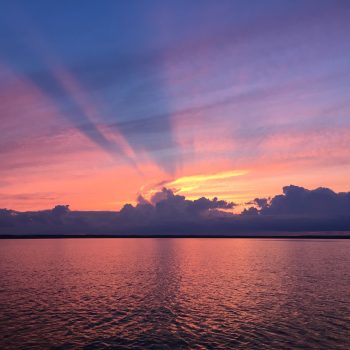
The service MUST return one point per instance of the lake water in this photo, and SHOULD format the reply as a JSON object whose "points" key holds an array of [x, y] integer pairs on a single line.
{"points": [[175, 293]]}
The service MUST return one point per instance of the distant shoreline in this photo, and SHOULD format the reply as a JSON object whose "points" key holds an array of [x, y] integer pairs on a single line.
{"points": [[304, 236]]}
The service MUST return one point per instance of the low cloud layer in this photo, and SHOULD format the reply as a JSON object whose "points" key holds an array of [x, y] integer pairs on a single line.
{"points": [[165, 206], [166, 213], [297, 200]]}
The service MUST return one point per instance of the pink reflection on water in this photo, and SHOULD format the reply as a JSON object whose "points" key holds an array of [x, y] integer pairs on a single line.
{"points": [[190, 292]]}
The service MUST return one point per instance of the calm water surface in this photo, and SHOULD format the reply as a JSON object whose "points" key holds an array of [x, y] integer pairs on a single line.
{"points": [[175, 293]]}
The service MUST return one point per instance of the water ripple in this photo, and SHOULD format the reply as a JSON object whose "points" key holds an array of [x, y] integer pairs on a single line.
{"points": [[174, 294]]}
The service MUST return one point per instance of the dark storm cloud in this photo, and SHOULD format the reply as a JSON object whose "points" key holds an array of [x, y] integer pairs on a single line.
{"points": [[296, 210]]}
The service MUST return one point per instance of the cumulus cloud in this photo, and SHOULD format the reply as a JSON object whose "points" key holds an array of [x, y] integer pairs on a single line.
{"points": [[297, 200], [250, 211], [167, 206], [297, 209]]}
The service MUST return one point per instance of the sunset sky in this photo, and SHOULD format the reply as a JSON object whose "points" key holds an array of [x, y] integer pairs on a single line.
{"points": [[101, 101]]}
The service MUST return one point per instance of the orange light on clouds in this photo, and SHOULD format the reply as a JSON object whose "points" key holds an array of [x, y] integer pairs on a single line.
{"points": [[233, 141], [200, 185]]}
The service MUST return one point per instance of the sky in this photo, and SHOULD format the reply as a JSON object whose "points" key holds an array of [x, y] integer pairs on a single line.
{"points": [[103, 101]]}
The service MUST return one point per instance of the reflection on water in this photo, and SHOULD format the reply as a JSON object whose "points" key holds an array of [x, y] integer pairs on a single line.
{"points": [[175, 293]]}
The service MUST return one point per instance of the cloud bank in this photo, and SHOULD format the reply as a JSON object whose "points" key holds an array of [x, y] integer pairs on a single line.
{"points": [[166, 213]]}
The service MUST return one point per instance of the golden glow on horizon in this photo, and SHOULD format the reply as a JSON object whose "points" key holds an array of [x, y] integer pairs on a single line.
{"points": [[200, 185], [42, 168], [195, 180]]}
